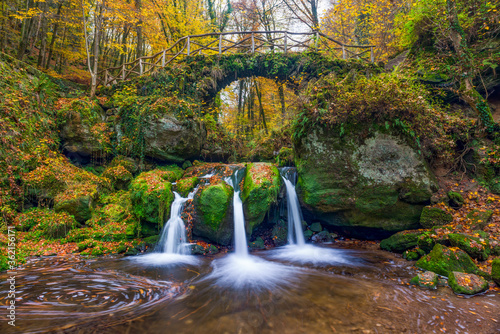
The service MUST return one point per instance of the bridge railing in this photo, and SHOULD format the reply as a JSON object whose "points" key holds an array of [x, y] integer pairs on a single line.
{"points": [[247, 42]]}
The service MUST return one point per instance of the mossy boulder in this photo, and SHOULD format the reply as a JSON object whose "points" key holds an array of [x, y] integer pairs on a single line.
{"points": [[427, 280], [365, 180], [480, 218], [456, 199], [77, 200], [443, 260], [285, 157], [186, 185], [477, 248], [125, 162], [48, 223], [401, 241], [119, 177], [115, 215], [468, 284], [257, 244], [214, 213], [260, 190], [151, 196], [495, 271], [413, 254], [432, 217]]}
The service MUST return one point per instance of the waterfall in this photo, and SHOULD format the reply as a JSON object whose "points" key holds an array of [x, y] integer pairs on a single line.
{"points": [[240, 238], [173, 237], [295, 232]]}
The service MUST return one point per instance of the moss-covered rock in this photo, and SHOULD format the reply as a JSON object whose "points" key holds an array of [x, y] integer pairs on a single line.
{"points": [[125, 162], [50, 224], [477, 248], [495, 271], [443, 260], [468, 284], [257, 244], [316, 227], [428, 280], [280, 233], [213, 206], [77, 200], [480, 218], [151, 196], [285, 157], [456, 199], [413, 254], [401, 241], [119, 176], [186, 185], [432, 217], [362, 176], [260, 190]]}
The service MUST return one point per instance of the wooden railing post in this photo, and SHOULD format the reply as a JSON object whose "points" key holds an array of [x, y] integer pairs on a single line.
{"points": [[140, 66], [189, 45], [163, 59], [220, 44], [253, 44], [285, 40], [372, 56], [123, 72], [343, 51]]}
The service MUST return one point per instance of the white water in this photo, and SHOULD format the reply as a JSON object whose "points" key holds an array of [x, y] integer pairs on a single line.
{"points": [[173, 247], [297, 250], [295, 232], [241, 270]]}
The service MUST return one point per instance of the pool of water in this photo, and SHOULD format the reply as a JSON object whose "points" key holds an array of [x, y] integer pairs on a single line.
{"points": [[365, 291]]}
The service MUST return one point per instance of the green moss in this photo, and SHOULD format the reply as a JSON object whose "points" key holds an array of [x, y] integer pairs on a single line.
{"points": [[127, 163], [151, 196], [456, 199], [77, 200], [213, 204], [413, 254], [119, 177], [401, 241], [480, 218], [443, 260], [427, 280], [434, 217], [280, 233], [495, 271], [477, 248], [285, 157], [427, 241], [173, 172], [260, 190], [79, 235], [186, 185], [47, 223], [468, 284]]}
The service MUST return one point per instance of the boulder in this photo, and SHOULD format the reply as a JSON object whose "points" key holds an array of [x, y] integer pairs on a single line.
{"points": [[151, 196], [456, 199], [260, 190], [401, 241], [413, 254], [214, 219], [366, 181], [185, 185], [432, 217], [168, 139], [119, 177], [443, 260], [480, 218], [495, 271], [477, 248], [77, 200], [468, 284], [428, 280]]}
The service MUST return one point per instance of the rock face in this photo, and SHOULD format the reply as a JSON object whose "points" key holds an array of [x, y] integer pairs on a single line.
{"points": [[401, 241], [365, 182], [168, 139]]}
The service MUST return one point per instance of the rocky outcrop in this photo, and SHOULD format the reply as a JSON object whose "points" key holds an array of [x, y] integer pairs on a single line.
{"points": [[171, 140], [367, 181]]}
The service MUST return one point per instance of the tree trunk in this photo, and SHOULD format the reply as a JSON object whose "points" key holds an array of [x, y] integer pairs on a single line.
{"points": [[54, 34], [281, 92], [261, 108], [138, 28]]}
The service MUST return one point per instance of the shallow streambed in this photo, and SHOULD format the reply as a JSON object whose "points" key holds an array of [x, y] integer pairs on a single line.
{"points": [[366, 292]]}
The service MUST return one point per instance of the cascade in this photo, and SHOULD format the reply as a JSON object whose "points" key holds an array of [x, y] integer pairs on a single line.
{"points": [[295, 232], [240, 238], [173, 237]]}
